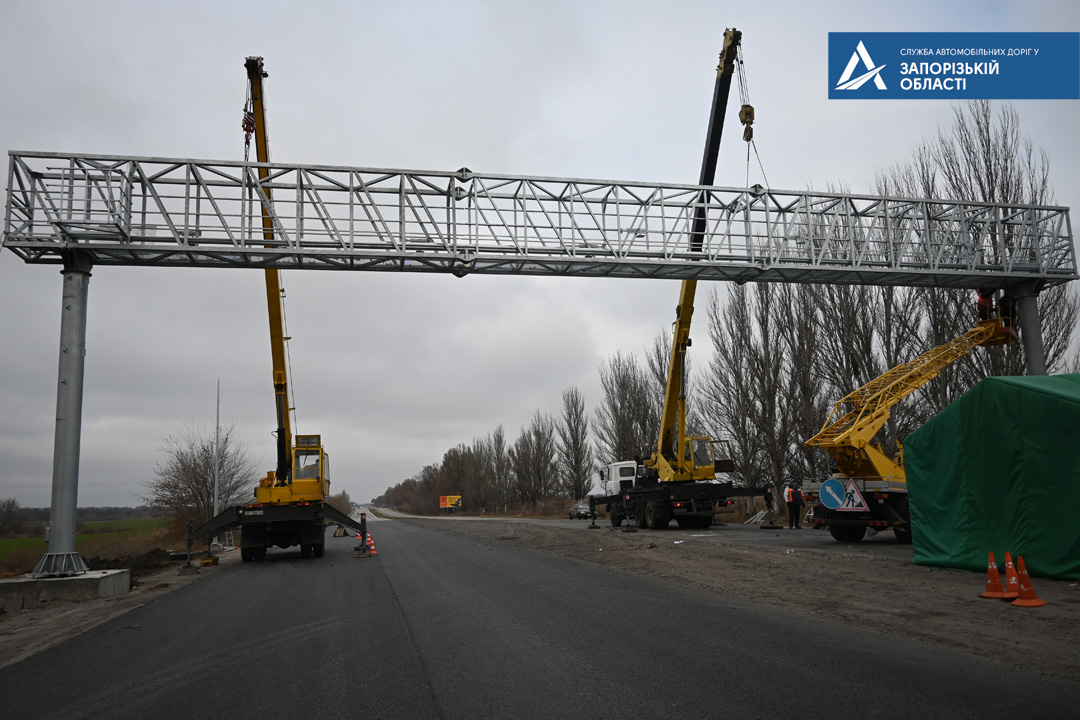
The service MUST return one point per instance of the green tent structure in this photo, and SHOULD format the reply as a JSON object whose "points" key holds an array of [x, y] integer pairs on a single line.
{"points": [[999, 471]]}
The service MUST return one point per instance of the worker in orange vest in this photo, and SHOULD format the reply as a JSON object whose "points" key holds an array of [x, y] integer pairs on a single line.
{"points": [[985, 304], [793, 497]]}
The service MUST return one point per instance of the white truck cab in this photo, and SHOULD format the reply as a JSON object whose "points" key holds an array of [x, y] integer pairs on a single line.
{"points": [[616, 473]]}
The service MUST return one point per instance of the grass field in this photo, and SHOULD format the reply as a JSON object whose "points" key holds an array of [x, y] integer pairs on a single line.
{"points": [[103, 538]]}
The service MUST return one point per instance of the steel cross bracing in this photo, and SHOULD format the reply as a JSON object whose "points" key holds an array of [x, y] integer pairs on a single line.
{"points": [[167, 212]]}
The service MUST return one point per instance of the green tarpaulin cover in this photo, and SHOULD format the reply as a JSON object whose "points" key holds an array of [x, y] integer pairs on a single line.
{"points": [[999, 471]]}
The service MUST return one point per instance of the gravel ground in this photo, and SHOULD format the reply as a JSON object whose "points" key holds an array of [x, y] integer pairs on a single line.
{"points": [[871, 584]]}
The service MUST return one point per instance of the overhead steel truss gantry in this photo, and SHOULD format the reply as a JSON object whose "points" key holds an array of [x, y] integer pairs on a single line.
{"points": [[87, 210], [173, 212]]}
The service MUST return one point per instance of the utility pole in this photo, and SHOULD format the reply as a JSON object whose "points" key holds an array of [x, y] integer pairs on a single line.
{"points": [[217, 453]]}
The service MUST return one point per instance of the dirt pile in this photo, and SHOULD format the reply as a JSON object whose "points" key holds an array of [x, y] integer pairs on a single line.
{"points": [[145, 564]]}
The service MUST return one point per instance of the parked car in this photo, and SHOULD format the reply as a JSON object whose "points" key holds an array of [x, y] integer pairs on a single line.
{"points": [[581, 510]]}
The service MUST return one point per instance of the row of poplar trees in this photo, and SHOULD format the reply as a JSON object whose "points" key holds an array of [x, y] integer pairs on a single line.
{"points": [[781, 355]]}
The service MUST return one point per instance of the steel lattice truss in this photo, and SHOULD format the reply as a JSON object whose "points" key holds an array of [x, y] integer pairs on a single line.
{"points": [[166, 212]]}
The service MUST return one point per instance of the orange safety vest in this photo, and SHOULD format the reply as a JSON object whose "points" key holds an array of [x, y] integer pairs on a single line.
{"points": [[790, 496]]}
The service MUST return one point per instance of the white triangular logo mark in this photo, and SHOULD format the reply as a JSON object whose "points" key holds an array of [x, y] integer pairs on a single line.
{"points": [[847, 83]]}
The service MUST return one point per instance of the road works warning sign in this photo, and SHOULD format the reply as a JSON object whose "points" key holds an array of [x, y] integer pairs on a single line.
{"points": [[449, 501], [853, 498]]}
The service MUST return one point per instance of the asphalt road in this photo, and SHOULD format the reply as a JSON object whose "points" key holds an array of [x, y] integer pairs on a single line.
{"points": [[443, 626]]}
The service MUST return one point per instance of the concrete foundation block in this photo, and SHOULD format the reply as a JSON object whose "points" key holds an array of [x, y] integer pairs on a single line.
{"points": [[23, 592]]}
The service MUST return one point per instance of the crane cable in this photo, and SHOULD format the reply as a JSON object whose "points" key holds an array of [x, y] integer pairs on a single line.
{"points": [[288, 360], [746, 115]]}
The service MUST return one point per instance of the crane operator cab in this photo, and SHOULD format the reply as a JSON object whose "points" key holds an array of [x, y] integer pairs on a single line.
{"points": [[706, 457], [310, 476]]}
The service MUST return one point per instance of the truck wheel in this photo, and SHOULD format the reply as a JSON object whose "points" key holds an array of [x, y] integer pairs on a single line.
{"points": [[247, 554], [847, 533], [616, 517], [903, 535], [258, 554], [654, 517], [639, 517], [318, 549], [305, 550]]}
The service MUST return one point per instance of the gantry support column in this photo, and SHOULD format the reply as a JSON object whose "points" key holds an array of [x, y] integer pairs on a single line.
{"points": [[62, 559], [1027, 310]]}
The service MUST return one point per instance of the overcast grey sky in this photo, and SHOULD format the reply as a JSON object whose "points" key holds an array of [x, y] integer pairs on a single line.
{"points": [[395, 369]]}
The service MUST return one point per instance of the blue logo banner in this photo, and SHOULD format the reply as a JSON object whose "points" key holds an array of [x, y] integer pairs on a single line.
{"points": [[954, 66]]}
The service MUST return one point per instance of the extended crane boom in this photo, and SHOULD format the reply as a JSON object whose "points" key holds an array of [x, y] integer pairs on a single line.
{"points": [[857, 417], [678, 481], [677, 457], [257, 117]]}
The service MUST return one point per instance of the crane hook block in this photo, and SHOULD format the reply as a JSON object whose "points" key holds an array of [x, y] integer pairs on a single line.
{"points": [[746, 117]]}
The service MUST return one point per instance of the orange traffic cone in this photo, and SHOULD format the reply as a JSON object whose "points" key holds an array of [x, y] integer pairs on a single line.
{"points": [[993, 580], [1027, 598], [371, 545], [1012, 580]]}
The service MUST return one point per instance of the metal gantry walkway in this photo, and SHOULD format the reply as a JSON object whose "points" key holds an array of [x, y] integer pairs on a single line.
{"points": [[171, 212]]}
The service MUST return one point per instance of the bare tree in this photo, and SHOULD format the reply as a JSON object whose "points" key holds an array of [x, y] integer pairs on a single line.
{"points": [[340, 502], [769, 365], [10, 517], [533, 460], [659, 360], [805, 396], [502, 474], [574, 450], [982, 157], [627, 420], [456, 476], [184, 483], [480, 483], [729, 393]]}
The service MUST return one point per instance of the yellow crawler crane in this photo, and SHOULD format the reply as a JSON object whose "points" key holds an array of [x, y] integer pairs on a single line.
{"points": [[868, 488]]}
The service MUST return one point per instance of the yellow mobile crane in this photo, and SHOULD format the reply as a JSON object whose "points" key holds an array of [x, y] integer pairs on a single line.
{"points": [[302, 476], [868, 488], [678, 481], [290, 501]]}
